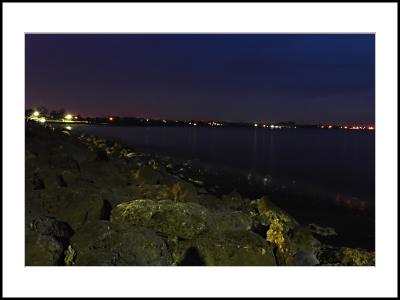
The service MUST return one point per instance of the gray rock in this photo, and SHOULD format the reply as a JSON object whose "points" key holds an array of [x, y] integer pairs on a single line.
{"points": [[305, 258], [104, 243]]}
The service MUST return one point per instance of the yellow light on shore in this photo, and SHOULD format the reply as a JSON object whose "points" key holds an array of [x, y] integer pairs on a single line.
{"points": [[110, 118], [36, 114], [255, 125], [42, 120], [264, 126], [68, 117]]}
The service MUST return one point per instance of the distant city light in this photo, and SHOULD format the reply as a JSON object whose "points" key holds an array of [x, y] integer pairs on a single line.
{"points": [[330, 126], [322, 126], [255, 125], [110, 118], [264, 125], [371, 128], [164, 121], [42, 120], [68, 117], [76, 117], [194, 124], [36, 114], [272, 125]]}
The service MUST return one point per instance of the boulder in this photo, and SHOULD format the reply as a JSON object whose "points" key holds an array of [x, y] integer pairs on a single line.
{"points": [[103, 243], [184, 220], [75, 207], [228, 221], [184, 192], [42, 250], [46, 225], [147, 175]]}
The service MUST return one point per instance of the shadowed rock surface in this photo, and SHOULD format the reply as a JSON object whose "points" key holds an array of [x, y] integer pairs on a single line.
{"points": [[103, 243]]}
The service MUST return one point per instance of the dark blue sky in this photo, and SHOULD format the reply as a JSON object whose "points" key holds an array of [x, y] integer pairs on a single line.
{"points": [[263, 77]]}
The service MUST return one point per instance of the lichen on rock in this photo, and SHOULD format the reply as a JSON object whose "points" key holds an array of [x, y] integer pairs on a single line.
{"points": [[184, 220], [70, 254], [357, 257]]}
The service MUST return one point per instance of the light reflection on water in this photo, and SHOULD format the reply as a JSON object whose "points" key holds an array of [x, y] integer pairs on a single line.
{"points": [[337, 160]]}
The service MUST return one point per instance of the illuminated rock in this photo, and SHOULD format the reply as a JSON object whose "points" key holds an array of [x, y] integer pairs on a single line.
{"points": [[184, 220]]}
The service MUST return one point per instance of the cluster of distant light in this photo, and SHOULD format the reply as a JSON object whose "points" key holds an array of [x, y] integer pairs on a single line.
{"points": [[348, 127], [213, 123], [271, 126], [38, 117]]}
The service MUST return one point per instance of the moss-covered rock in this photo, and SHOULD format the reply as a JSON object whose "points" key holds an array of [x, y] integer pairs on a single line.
{"points": [[344, 256], [184, 220], [290, 242], [269, 213], [295, 244], [357, 257], [104, 243]]}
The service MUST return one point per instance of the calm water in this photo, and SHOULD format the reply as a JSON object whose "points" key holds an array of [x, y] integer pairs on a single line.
{"points": [[337, 161]]}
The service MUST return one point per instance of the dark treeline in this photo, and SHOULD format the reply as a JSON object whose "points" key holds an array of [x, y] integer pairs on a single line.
{"points": [[136, 121]]}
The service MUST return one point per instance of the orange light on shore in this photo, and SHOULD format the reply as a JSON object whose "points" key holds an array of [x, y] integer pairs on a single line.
{"points": [[330, 126], [76, 118], [110, 118], [371, 128], [322, 126]]}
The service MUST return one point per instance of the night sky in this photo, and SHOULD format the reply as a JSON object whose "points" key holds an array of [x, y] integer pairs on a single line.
{"points": [[230, 77]]}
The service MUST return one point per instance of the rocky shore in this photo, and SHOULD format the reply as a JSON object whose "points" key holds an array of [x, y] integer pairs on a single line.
{"points": [[95, 202]]}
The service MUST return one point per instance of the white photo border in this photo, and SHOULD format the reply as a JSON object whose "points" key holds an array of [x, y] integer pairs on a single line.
{"points": [[21, 18]]}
